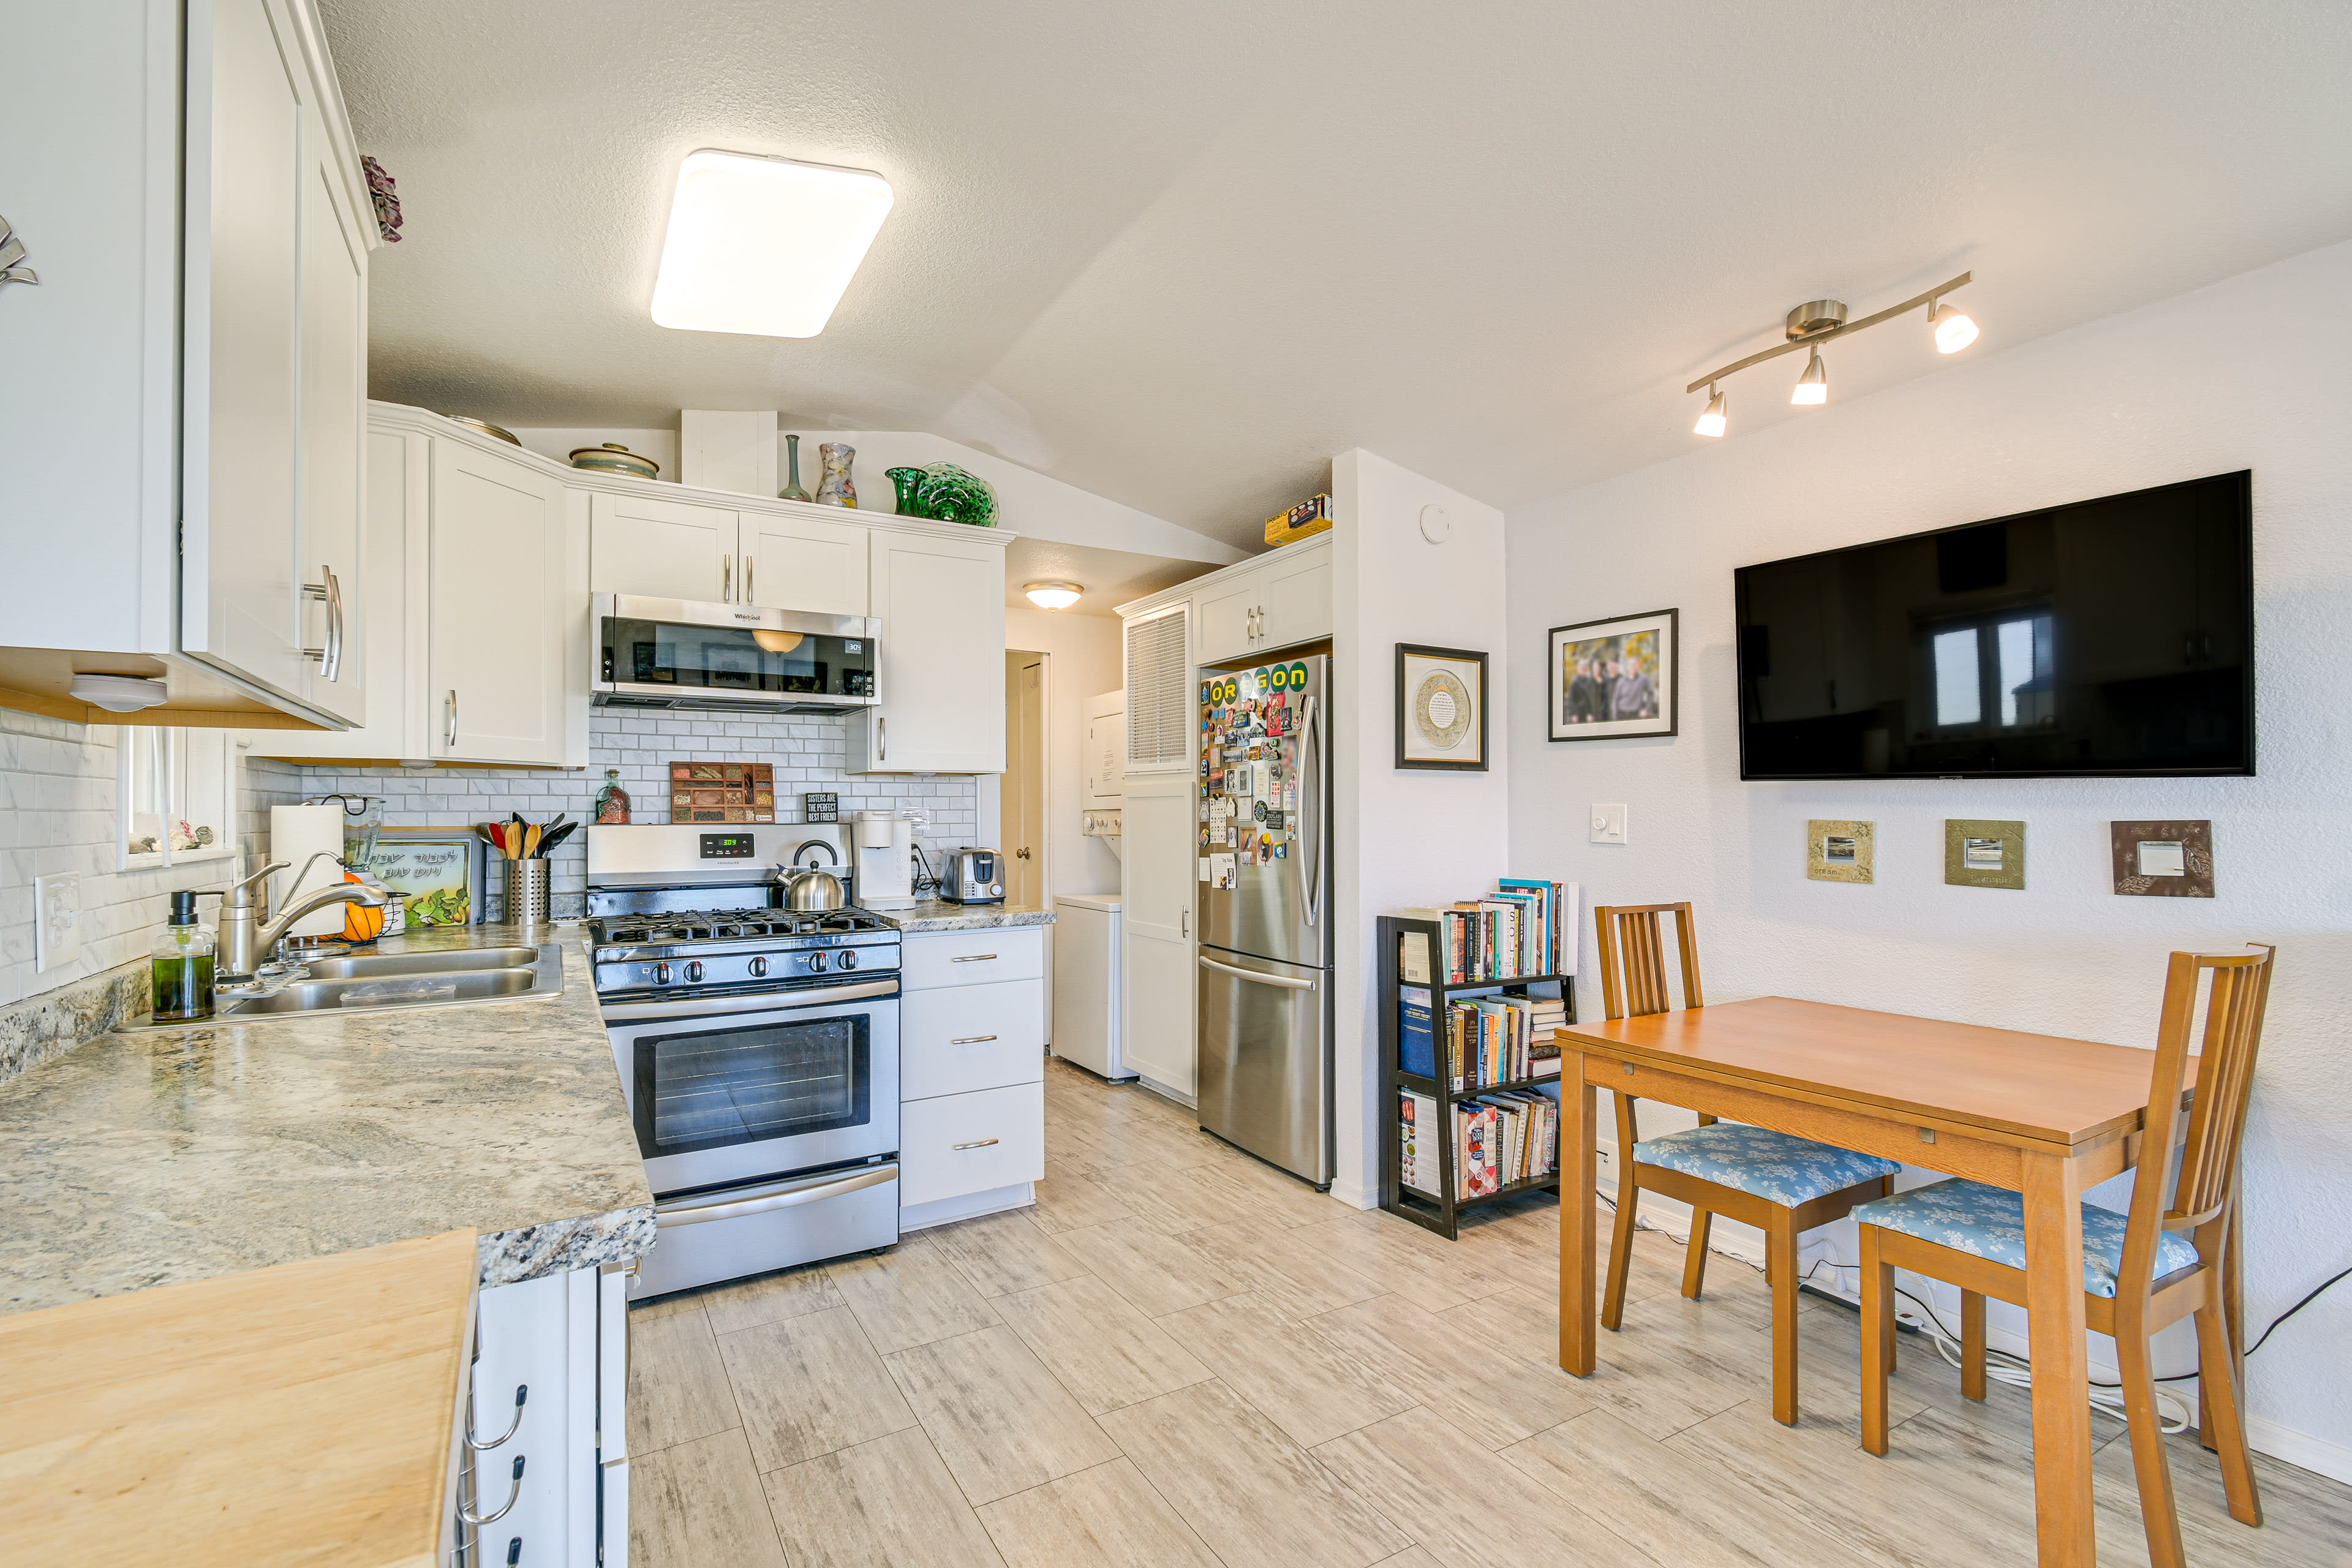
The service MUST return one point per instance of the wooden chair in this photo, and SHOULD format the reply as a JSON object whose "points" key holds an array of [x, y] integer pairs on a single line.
{"points": [[1781, 1185], [2142, 1271]]}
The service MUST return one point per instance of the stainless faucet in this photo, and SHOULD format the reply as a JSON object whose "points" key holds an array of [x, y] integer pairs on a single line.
{"points": [[248, 936]]}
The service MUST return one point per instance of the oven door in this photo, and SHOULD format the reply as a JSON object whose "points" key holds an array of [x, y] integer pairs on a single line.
{"points": [[735, 1088]]}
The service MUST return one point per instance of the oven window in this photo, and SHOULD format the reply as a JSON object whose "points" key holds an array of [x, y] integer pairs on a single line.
{"points": [[714, 1087]]}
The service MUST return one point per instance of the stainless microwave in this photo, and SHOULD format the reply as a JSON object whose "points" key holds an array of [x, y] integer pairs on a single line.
{"points": [[674, 653]]}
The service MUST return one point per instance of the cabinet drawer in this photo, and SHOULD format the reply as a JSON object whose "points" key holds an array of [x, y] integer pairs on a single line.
{"points": [[962, 1143], [933, 959], [964, 1038]]}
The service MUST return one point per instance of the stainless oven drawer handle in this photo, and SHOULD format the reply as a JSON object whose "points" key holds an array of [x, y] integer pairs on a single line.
{"points": [[774, 1002], [976, 1143], [1282, 979], [974, 958], [972, 1040], [734, 1208]]}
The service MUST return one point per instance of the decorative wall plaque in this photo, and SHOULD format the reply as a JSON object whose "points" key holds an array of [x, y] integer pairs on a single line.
{"points": [[722, 792], [1984, 854], [2163, 859], [1841, 851]]}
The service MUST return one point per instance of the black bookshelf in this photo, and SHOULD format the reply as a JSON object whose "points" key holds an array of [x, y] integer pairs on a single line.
{"points": [[1442, 1212]]}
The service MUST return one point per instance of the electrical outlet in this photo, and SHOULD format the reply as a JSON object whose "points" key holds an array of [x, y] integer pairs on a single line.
{"points": [[1609, 824], [56, 922]]}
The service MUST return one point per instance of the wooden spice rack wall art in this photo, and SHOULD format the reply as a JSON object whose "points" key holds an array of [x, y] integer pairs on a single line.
{"points": [[722, 792]]}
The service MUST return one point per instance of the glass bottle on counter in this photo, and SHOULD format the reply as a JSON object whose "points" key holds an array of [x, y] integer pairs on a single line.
{"points": [[183, 966], [612, 801]]}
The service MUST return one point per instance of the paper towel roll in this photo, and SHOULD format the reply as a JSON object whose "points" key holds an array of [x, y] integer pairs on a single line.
{"points": [[297, 833]]}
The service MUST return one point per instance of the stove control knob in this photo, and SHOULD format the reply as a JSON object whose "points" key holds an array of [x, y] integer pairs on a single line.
{"points": [[849, 961], [816, 964], [758, 969], [694, 970], [661, 974]]}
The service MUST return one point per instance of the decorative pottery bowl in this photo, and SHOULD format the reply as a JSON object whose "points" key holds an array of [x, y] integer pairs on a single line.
{"points": [[950, 494], [487, 428], [612, 458]]}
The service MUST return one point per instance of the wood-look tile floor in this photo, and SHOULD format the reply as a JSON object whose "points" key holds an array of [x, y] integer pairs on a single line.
{"points": [[1183, 1357]]}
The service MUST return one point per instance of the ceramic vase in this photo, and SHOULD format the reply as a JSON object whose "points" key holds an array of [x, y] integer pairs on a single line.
{"points": [[835, 488], [908, 482], [792, 491]]}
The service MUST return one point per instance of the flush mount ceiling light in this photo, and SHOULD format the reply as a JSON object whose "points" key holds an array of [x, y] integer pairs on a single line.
{"points": [[764, 246], [1053, 595], [119, 694], [1815, 322]]}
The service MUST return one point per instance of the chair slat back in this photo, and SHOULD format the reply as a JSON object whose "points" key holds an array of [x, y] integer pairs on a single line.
{"points": [[1633, 978], [2234, 1000]]}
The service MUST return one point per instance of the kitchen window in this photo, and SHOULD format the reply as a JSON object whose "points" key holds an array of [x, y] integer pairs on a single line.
{"points": [[175, 795]]}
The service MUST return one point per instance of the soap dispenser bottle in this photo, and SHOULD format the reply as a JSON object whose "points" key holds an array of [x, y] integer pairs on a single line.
{"points": [[183, 966]]}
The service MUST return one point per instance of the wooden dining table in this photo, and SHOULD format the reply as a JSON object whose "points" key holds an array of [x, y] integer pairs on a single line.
{"points": [[2039, 1114]]}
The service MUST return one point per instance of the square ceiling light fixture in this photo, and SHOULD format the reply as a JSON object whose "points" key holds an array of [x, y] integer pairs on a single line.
{"points": [[764, 246]]}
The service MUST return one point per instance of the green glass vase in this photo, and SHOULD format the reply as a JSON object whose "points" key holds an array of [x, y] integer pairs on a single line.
{"points": [[909, 481]]}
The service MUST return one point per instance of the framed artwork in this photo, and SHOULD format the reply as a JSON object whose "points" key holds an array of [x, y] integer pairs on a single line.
{"points": [[1984, 854], [1613, 679], [437, 869], [2163, 859], [1841, 851], [1440, 709]]}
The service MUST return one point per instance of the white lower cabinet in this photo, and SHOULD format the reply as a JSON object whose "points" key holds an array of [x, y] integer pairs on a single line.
{"points": [[959, 1144], [972, 1036], [548, 1454], [971, 1071], [933, 959]]}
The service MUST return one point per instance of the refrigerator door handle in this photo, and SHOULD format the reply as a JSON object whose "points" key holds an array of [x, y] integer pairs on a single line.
{"points": [[1310, 884], [1282, 979]]}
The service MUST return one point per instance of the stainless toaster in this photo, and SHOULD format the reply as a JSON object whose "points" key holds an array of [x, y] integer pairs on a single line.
{"points": [[972, 877]]}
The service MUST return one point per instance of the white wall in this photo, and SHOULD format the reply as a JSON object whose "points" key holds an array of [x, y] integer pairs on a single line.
{"points": [[1402, 839], [2247, 374]]}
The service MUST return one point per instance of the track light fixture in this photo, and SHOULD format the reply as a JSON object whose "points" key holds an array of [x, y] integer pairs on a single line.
{"points": [[1718, 418], [1815, 322]]}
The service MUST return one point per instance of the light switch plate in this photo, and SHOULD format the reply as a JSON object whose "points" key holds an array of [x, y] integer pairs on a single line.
{"points": [[56, 922], [1609, 824]]}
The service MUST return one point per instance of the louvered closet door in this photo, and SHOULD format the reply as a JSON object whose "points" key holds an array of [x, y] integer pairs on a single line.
{"points": [[1160, 704]]}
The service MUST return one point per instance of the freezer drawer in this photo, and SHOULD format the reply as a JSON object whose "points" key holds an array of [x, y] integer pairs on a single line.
{"points": [[971, 1036], [1266, 1059]]}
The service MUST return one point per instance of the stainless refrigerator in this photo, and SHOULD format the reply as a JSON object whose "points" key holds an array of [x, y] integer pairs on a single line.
{"points": [[1264, 823]]}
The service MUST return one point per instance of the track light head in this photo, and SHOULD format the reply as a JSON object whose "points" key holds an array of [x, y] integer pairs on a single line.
{"points": [[1814, 386], [1955, 329], [1717, 418]]}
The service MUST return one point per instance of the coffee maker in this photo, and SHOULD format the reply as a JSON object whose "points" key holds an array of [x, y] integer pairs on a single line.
{"points": [[884, 844]]}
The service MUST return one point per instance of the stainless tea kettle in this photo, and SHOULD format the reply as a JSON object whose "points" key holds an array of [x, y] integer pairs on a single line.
{"points": [[808, 889]]}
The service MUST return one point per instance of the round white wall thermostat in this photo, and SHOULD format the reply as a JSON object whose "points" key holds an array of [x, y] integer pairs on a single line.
{"points": [[1435, 523]]}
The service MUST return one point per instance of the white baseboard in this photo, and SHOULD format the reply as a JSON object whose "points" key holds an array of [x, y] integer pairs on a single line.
{"points": [[2317, 1454], [1355, 1196], [1164, 1092]]}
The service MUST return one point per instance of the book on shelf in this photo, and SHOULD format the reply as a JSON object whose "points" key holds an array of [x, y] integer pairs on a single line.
{"points": [[1416, 1042], [1417, 1133], [1524, 928]]}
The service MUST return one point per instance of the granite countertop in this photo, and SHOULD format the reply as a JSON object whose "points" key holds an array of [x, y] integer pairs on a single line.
{"points": [[175, 1154], [932, 914]]}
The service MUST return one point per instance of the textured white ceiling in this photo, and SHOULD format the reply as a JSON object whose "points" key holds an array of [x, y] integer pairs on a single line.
{"points": [[1179, 255]]}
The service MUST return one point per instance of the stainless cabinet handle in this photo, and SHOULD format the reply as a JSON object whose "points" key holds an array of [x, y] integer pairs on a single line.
{"points": [[330, 593], [974, 958], [726, 579], [522, 1392], [882, 728], [975, 1143], [746, 578], [449, 724], [1184, 924], [972, 1040], [470, 1517]]}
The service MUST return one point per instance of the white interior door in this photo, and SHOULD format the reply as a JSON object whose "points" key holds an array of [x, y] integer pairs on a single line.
{"points": [[1156, 936], [497, 613], [662, 549], [805, 563]]}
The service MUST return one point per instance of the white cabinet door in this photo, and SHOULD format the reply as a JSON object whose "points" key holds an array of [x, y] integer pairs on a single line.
{"points": [[333, 430], [498, 605], [1294, 599], [661, 549], [1161, 863], [1228, 622], [942, 604], [242, 342], [805, 563]]}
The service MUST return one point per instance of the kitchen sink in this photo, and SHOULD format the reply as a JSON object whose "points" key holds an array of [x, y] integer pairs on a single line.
{"points": [[389, 982]]}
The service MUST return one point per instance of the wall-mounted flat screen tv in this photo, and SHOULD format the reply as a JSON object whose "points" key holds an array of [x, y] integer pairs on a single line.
{"points": [[2111, 638]]}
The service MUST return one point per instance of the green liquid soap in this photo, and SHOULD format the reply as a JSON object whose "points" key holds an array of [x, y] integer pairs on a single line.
{"points": [[183, 988]]}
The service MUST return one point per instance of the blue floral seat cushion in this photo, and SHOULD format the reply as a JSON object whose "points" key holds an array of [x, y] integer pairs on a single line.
{"points": [[1775, 1166], [1990, 1223]]}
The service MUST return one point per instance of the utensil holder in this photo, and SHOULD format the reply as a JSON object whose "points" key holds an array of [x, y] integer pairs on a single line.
{"points": [[526, 892]]}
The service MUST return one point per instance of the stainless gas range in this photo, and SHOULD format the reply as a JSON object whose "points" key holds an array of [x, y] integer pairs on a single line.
{"points": [[759, 1052]]}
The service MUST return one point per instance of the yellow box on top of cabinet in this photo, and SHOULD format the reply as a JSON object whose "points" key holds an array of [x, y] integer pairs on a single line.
{"points": [[1305, 520]]}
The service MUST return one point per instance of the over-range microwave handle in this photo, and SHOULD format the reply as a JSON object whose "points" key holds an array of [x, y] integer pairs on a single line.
{"points": [[735, 1209], [769, 1001]]}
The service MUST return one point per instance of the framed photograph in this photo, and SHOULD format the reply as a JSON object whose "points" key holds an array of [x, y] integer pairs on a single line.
{"points": [[1984, 854], [437, 869], [1613, 679], [2163, 859], [1841, 851], [1440, 709]]}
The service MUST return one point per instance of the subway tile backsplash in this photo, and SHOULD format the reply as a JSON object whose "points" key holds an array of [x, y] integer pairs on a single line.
{"points": [[805, 751]]}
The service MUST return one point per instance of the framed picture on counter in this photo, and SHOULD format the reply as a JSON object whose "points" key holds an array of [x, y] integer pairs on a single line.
{"points": [[1610, 679], [438, 870], [1440, 709]]}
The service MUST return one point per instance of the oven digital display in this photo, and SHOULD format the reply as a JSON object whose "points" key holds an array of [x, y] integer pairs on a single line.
{"points": [[726, 846]]}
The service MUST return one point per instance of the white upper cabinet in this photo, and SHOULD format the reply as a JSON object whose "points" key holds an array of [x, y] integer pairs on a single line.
{"points": [[500, 605], [1277, 601], [807, 563], [662, 549], [940, 600], [331, 567]]}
